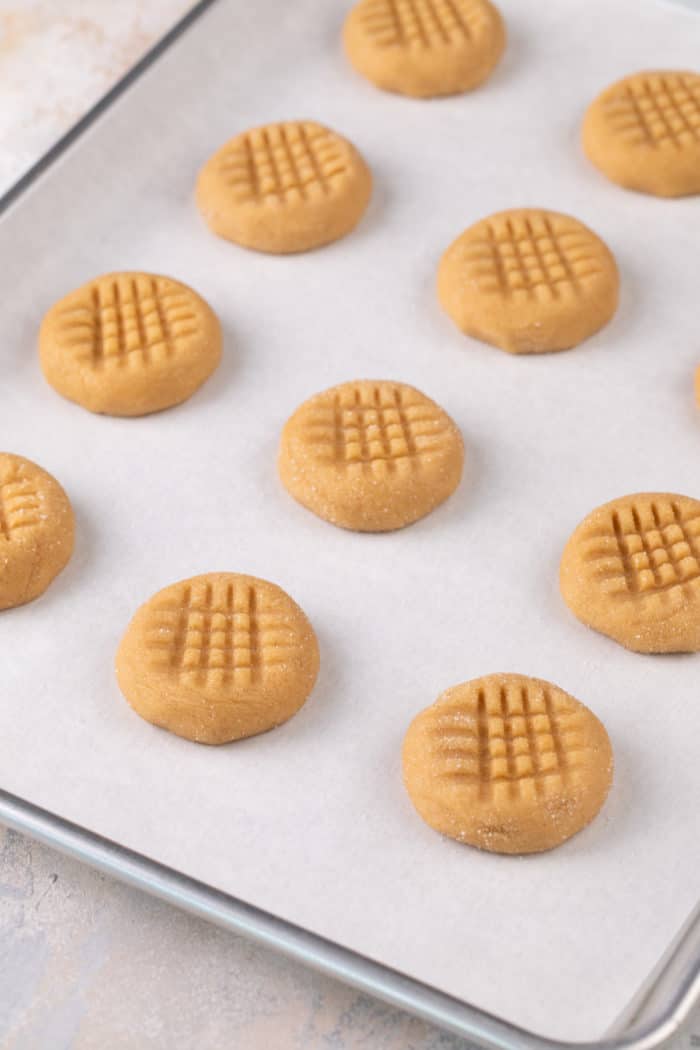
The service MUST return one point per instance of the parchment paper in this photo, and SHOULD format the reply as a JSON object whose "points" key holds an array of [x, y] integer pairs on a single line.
{"points": [[311, 821]]}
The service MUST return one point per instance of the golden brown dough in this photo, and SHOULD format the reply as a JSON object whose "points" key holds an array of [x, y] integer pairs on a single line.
{"points": [[36, 530], [370, 455], [529, 281], [507, 763], [285, 187], [218, 657], [643, 132], [631, 570], [424, 48], [127, 344]]}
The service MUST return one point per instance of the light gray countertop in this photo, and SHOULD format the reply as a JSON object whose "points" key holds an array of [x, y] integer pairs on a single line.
{"points": [[87, 963]]}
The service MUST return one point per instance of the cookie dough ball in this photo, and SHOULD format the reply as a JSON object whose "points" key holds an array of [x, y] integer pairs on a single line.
{"points": [[218, 657], [37, 530], [508, 764], [643, 132], [127, 344], [284, 188], [529, 281], [631, 570], [371, 455], [424, 48]]}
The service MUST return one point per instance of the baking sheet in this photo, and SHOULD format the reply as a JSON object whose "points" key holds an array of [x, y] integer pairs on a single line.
{"points": [[311, 822]]}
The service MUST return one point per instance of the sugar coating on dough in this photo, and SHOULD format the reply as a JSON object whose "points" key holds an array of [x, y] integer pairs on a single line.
{"points": [[285, 187], [424, 48], [37, 530], [218, 657], [127, 344], [371, 455], [529, 281], [507, 763], [631, 570], [643, 132]]}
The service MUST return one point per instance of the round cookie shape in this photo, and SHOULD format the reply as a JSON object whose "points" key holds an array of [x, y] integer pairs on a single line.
{"points": [[631, 570], [370, 455], [127, 344], [507, 763], [643, 133], [218, 657], [424, 48], [529, 281], [283, 188], [37, 530]]}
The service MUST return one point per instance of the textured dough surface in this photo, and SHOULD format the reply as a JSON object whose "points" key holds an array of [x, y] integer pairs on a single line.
{"points": [[37, 530], [371, 455], [631, 570], [127, 344], [424, 48], [218, 657], [507, 763], [643, 132], [285, 187], [529, 281]]}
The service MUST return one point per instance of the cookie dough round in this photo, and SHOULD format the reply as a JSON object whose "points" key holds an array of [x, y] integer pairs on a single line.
{"points": [[37, 530], [218, 657], [529, 281], [284, 188], [127, 344], [643, 132], [424, 48], [631, 570], [371, 455], [507, 763]]}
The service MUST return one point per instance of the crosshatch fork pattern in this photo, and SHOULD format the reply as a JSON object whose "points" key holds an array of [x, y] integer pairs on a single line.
{"points": [[657, 111], [509, 741], [19, 503], [220, 635], [421, 24], [533, 257], [377, 428], [129, 321], [649, 548], [284, 162]]}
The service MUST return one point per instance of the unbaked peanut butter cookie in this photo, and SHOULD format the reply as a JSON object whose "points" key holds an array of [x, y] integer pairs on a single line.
{"points": [[285, 187], [218, 657], [529, 281], [643, 132], [36, 530], [507, 763], [371, 455], [424, 48], [631, 570], [127, 344]]}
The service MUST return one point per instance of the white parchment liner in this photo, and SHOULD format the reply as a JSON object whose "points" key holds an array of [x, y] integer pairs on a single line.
{"points": [[311, 821]]}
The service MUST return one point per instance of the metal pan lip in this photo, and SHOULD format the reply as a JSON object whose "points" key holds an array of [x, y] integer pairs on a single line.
{"points": [[675, 991]]}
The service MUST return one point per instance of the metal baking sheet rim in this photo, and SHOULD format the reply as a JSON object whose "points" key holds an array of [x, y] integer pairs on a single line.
{"points": [[652, 1018]]}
